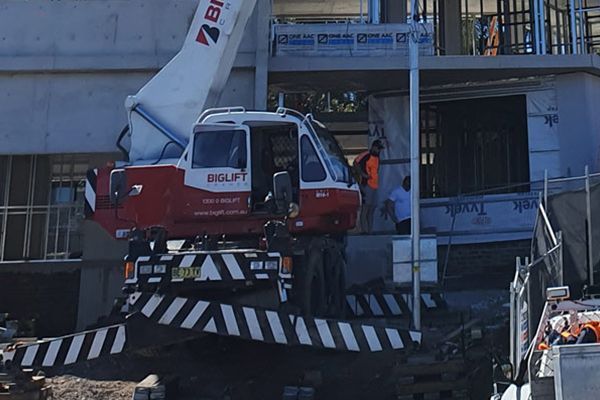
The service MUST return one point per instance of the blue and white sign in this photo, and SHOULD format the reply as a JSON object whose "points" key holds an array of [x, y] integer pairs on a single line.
{"points": [[348, 39]]}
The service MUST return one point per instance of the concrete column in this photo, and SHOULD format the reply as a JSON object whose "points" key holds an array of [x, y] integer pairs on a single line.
{"points": [[375, 11], [261, 72], [452, 38], [393, 11], [577, 96]]}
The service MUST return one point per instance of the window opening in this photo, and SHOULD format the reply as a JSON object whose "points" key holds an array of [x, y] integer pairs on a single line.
{"points": [[41, 206], [220, 149], [470, 146]]}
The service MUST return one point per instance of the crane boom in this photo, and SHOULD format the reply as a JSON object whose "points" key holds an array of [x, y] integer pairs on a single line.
{"points": [[162, 114]]}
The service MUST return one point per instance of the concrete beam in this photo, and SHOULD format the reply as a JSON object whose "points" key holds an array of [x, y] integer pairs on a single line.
{"points": [[99, 63], [322, 64], [384, 73], [317, 8]]}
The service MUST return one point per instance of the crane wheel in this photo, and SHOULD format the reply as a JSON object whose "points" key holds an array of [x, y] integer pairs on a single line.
{"points": [[335, 278], [312, 299], [323, 280]]}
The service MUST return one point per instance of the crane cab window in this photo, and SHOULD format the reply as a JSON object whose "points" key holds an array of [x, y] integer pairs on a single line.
{"points": [[220, 149], [312, 169]]}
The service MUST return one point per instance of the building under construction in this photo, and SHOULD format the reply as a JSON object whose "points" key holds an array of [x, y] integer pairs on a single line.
{"points": [[508, 97]]}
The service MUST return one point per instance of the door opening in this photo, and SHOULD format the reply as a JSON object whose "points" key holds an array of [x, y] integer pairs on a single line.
{"points": [[274, 148]]}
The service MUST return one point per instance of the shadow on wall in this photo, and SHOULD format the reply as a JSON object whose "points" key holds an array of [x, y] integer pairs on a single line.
{"points": [[47, 292]]}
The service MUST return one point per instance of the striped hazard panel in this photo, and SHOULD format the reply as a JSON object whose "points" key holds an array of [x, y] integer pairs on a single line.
{"points": [[90, 192], [69, 349], [271, 326], [199, 267], [389, 304]]}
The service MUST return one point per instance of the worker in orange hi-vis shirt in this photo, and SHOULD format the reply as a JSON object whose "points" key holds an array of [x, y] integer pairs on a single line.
{"points": [[369, 166]]}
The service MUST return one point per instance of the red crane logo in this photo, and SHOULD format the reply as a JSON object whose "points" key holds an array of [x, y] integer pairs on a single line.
{"points": [[212, 14]]}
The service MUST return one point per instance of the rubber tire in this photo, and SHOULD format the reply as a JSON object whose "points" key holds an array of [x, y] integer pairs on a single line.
{"points": [[336, 283], [312, 300]]}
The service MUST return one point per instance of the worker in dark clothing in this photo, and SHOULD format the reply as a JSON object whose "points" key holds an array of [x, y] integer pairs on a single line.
{"points": [[590, 333]]}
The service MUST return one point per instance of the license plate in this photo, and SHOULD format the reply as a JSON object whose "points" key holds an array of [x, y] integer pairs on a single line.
{"points": [[185, 273]]}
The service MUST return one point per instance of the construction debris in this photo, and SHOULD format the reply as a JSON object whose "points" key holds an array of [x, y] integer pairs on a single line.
{"points": [[156, 387], [298, 393], [24, 386], [430, 379]]}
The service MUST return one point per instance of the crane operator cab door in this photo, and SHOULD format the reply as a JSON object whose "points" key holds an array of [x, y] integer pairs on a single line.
{"points": [[216, 162], [287, 146], [274, 148]]}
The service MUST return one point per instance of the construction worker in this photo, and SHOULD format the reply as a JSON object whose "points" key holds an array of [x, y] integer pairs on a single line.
{"points": [[565, 337], [367, 164], [398, 206], [590, 333], [359, 168]]}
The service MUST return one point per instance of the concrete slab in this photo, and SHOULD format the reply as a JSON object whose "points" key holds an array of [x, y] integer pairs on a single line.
{"points": [[390, 73], [368, 257]]}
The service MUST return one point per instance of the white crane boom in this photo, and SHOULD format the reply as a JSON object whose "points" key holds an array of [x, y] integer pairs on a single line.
{"points": [[161, 115]]}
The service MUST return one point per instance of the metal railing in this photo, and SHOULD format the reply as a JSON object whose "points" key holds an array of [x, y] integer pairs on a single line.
{"points": [[494, 27], [544, 269], [559, 184], [586, 32], [527, 290]]}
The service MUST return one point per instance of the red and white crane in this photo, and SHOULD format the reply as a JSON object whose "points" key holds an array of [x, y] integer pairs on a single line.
{"points": [[258, 203]]}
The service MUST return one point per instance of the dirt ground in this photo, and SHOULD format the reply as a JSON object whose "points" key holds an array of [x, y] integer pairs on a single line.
{"points": [[68, 387], [213, 368]]}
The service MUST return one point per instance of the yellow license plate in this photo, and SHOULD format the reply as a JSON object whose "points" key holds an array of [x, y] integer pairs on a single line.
{"points": [[185, 273]]}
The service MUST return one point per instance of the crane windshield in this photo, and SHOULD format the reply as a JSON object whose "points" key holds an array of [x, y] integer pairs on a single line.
{"points": [[331, 152]]}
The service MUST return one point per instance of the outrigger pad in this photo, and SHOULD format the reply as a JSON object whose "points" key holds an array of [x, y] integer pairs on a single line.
{"points": [[70, 349], [137, 332], [271, 326], [191, 317], [389, 304]]}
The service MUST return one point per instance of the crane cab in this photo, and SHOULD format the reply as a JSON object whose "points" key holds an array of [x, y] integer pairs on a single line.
{"points": [[223, 182]]}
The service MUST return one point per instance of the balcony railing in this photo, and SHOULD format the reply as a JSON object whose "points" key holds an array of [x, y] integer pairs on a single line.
{"points": [[493, 28]]}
